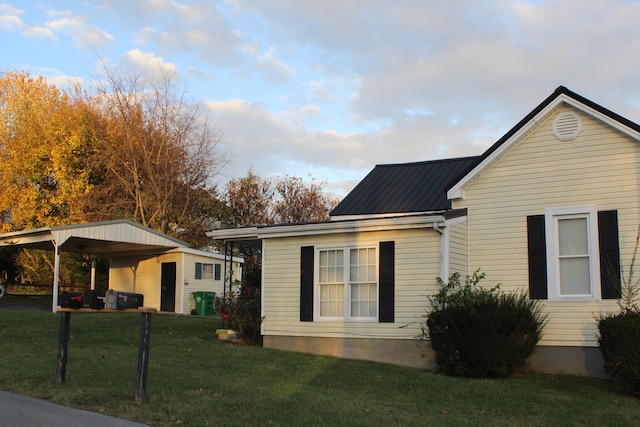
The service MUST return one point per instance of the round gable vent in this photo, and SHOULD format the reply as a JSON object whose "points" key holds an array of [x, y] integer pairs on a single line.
{"points": [[567, 126]]}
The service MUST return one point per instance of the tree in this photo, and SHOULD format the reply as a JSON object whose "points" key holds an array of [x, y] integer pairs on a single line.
{"points": [[161, 150], [250, 201], [299, 202], [46, 152], [132, 148]]}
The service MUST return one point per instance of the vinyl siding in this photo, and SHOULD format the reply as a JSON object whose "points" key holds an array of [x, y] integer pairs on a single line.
{"points": [[417, 265], [458, 249], [146, 279], [201, 285], [140, 275], [599, 168]]}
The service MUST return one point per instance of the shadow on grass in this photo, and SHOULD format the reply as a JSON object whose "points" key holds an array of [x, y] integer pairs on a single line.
{"points": [[26, 302]]}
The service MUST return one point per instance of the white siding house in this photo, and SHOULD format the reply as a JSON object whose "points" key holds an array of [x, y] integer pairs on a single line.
{"points": [[551, 209]]}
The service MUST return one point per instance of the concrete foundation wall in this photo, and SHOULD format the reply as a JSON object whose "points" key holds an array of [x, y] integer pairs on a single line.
{"points": [[418, 354], [412, 353]]}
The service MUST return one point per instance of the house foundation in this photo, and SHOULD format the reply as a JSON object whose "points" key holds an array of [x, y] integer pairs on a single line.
{"points": [[585, 361]]}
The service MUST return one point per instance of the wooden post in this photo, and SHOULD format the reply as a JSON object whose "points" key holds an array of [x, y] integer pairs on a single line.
{"points": [[143, 356], [63, 347]]}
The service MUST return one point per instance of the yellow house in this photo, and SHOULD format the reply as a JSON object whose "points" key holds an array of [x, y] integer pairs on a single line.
{"points": [[551, 209], [169, 279]]}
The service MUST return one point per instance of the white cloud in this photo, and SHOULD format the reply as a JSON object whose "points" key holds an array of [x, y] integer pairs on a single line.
{"points": [[83, 35], [40, 33], [10, 17], [275, 69], [198, 27], [148, 63], [61, 80]]}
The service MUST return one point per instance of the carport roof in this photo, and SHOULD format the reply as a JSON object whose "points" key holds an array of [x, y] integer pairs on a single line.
{"points": [[108, 238]]}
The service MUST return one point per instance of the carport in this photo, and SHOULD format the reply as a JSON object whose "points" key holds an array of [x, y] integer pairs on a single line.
{"points": [[102, 239]]}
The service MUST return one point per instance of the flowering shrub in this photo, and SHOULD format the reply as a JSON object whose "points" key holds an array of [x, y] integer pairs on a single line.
{"points": [[241, 313]]}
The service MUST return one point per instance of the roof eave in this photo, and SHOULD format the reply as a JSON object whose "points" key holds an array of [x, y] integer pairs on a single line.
{"points": [[415, 221]]}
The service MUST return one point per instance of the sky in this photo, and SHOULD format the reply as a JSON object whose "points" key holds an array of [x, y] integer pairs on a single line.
{"points": [[326, 89]]}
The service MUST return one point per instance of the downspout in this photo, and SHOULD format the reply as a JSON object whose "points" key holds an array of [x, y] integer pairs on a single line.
{"points": [[443, 230]]}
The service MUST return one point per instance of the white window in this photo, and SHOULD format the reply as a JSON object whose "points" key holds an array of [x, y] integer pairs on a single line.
{"points": [[572, 253], [203, 271], [347, 281], [207, 271]]}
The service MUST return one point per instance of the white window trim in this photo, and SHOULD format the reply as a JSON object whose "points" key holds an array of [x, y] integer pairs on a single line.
{"points": [[347, 292], [551, 234]]}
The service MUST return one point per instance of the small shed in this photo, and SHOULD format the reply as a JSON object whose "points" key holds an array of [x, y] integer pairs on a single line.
{"points": [[169, 279], [134, 248]]}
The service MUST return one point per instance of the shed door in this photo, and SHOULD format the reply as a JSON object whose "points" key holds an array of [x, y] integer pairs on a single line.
{"points": [[168, 287]]}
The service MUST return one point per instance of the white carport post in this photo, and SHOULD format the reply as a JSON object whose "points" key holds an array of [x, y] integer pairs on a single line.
{"points": [[93, 273], [56, 277]]}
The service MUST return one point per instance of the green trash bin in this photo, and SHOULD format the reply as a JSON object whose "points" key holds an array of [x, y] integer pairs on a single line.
{"points": [[204, 302]]}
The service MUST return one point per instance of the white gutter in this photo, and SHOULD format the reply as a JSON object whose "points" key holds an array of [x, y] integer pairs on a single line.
{"points": [[333, 227]]}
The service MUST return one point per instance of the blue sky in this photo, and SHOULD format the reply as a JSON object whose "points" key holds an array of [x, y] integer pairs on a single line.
{"points": [[329, 89]]}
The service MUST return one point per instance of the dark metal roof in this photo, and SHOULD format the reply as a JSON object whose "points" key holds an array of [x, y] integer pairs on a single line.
{"points": [[406, 187], [422, 186]]}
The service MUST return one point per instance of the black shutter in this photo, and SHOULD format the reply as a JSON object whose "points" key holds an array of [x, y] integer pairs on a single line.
{"points": [[537, 257], [217, 270], [609, 255], [198, 270], [306, 283], [387, 282]]}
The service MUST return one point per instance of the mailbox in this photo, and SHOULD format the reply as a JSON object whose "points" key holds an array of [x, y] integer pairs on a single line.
{"points": [[93, 299], [69, 299], [122, 300]]}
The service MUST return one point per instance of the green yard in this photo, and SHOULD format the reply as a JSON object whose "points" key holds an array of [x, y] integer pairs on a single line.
{"points": [[196, 380]]}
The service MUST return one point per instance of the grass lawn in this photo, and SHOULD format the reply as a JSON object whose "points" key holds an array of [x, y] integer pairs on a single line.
{"points": [[196, 380]]}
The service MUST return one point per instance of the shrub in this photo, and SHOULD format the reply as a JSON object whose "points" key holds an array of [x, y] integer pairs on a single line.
{"points": [[477, 332], [619, 333], [619, 342], [241, 313]]}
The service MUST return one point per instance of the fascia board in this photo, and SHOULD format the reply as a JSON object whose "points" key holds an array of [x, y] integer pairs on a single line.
{"points": [[234, 233], [204, 254], [603, 118], [333, 227]]}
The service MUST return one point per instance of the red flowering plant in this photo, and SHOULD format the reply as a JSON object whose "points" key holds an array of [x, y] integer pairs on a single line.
{"points": [[241, 313]]}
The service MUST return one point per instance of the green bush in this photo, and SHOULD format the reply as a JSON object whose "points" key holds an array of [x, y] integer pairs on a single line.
{"points": [[619, 333], [477, 332], [619, 342], [241, 313]]}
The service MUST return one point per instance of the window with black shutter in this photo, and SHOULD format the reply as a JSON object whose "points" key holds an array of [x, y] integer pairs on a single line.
{"points": [[574, 254], [354, 283]]}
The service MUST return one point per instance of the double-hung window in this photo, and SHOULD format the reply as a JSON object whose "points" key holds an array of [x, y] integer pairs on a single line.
{"points": [[203, 271], [572, 248], [347, 283]]}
